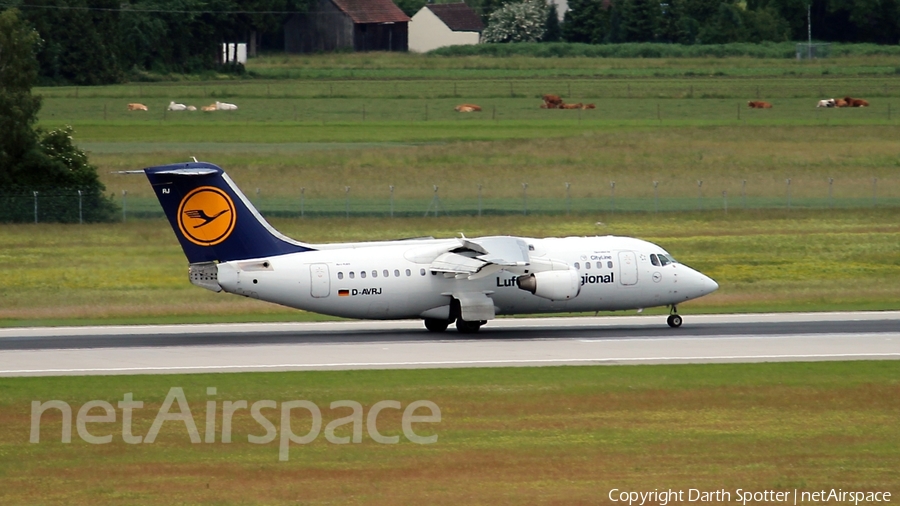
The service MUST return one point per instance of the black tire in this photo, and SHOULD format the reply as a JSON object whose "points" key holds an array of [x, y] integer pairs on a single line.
{"points": [[467, 327], [674, 321], [436, 325]]}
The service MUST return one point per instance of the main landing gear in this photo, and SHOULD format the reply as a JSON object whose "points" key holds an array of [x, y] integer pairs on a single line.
{"points": [[674, 319], [462, 326]]}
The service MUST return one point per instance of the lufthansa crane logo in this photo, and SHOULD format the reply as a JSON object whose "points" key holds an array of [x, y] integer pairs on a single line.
{"points": [[206, 216]]}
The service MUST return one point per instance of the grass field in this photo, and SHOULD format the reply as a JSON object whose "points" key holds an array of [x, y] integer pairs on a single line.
{"points": [[506, 436]]}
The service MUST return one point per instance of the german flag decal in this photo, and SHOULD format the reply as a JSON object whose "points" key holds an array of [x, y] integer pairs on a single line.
{"points": [[343, 293]]}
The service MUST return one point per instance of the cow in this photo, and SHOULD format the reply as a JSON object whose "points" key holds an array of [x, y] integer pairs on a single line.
{"points": [[191, 108], [588, 106], [224, 106], [208, 108], [137, 107], [468, 108], [840, 102], [826, 103], [177, 107], [570, 106], [755, 104], [856, 102], [552, 100]]}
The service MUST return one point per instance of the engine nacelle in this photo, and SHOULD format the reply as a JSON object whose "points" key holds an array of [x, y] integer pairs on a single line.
{"points": [[553, 285]]}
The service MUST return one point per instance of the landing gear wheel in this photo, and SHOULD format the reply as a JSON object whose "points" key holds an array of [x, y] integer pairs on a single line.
{"points": [[674, 321], [436, 325], [467, 327]]}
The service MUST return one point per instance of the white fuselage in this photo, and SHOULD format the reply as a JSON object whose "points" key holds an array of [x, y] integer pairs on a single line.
{"points": [[393, 280]]}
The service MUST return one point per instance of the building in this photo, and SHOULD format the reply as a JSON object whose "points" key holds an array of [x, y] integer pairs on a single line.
{"points": [[439, 25], [360, 25]]}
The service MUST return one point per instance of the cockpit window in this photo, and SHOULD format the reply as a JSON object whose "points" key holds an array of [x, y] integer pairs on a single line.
{"points": [[654, 260], [665, 259]]}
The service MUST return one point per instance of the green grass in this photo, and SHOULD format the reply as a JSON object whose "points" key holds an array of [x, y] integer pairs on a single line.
{"points": [[506, 436], [763, 260]]}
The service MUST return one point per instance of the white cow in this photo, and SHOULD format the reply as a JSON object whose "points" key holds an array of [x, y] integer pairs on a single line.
{"points": [[224, 106], [192, 108], [826, 103], [177, 107]]}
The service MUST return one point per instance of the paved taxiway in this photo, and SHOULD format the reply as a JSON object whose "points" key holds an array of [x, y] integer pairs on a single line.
{"points": [[405, 344]]}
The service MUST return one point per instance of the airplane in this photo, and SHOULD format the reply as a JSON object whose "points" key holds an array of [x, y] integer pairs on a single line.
{"points": [[230, 247]]}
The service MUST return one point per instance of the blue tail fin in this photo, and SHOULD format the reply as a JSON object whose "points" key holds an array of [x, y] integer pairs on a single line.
{"points": [[212, 219]]}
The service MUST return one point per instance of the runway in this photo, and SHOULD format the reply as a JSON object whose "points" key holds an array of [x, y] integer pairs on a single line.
{"points": [[405, 344]]}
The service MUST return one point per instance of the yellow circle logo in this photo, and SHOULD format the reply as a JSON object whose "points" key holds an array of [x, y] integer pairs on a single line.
{"points": [[206, 216]]}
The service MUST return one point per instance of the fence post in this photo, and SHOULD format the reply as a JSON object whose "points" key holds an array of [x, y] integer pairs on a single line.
{"points": [[568, 199], [830, 194], [302, 192], [35, 207], [725, 201], [874, 192], [656, 196], [612, 196], [524, 198], [80, 215], [392, 191], [699, 195], [744, 193], [347, 201], [124, 205], [789, 193], [479, 200]]}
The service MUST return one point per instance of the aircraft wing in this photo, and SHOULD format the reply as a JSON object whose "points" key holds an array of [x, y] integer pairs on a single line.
{"points": [[476, 258]]}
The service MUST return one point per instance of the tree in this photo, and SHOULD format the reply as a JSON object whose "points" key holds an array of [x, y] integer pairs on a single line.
{"points": [[517, 22], [586, 21], [640, 20], [552, 30], [31, 159]]}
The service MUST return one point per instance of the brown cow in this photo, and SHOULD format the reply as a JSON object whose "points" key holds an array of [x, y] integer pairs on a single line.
{"points": [[571, 106], [552, 100], [467, 108], [208, 108], [588, 106], [137, 107], [755, 104], [840, 102], [856, 102]]}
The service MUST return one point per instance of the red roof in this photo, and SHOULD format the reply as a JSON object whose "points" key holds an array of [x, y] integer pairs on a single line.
{"points": [[372, 11], [458, 17]]}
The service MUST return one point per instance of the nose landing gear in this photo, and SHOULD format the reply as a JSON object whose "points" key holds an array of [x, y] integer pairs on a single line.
{"points": [[674, 319]]}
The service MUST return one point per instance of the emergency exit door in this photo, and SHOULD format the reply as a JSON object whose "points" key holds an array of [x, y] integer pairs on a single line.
{"points": [[628, 271], [320, 280]]}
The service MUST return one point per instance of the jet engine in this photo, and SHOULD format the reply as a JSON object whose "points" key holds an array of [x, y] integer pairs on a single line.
{"points": [[553, 285]]}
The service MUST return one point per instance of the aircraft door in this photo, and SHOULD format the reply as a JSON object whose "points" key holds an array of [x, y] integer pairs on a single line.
{"points": [[628, 271], [319, 280]]}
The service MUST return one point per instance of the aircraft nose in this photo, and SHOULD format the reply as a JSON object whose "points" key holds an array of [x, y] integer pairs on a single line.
{"points": [[701, 284]]}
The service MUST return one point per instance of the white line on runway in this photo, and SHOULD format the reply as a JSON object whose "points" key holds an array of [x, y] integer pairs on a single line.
{"points": [[393, 365]]}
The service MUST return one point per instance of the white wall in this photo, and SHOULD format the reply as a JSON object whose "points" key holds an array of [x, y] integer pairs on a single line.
{"points": [[427, 32]]}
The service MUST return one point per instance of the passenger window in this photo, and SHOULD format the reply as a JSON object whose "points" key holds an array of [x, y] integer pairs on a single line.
{"points": [[408, 273], [422, 271], [352, 274], [609, 264], [587, 265], [362, 274], [340, 275], [577, 265], [387, 273], [374, 274], [654, 260]]}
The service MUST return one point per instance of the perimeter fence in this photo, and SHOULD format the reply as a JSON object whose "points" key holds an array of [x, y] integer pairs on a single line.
{"points": [[68, 206]]}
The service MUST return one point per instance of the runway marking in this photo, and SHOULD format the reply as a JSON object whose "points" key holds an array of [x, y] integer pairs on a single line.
{"points": [[450, 362]]}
